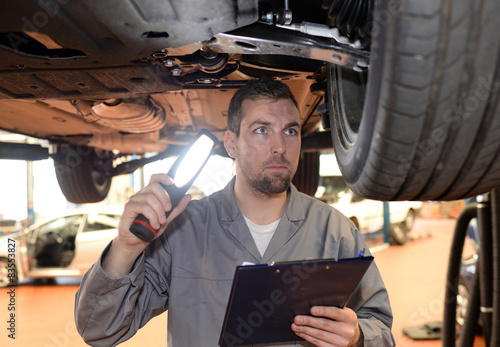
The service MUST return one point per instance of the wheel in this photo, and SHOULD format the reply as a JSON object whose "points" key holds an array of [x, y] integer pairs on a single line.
{"points": [[84, 174], [463, 296], [410, 220], [5, 280], [306, 178], [423, 123], [468, 268], [398, 234]]}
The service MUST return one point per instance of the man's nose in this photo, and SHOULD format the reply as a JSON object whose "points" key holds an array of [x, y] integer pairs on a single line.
{"points": [[278, 144]]}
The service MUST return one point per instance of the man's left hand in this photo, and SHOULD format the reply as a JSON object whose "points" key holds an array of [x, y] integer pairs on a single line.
{"points": [[329, 326]]}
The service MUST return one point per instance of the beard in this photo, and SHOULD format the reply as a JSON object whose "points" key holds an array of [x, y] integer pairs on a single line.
{"points": [[273, 183]]}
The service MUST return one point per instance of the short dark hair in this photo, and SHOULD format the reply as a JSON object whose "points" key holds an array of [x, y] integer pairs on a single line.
{"points": [[262, 88]]}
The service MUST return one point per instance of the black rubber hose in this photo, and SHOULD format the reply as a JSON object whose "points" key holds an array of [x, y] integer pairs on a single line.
{"points": [[469, 328], [352, 17], [484, 219], [454, 263], [495, 327]]}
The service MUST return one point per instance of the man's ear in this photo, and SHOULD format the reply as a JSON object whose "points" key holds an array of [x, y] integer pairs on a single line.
{"points": [[230, 143]]}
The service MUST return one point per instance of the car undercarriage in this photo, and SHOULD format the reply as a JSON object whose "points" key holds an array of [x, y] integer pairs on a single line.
{"points": [[404, 92]]}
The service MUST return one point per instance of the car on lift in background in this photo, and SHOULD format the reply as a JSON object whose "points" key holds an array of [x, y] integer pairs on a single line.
{"points": [[10, 226], [366, 214], [66, 245], [406, 92]]}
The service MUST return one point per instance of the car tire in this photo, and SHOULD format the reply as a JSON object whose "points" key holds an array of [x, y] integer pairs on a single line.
{"points": [[398, 234], [83, 173], [463, 297], [423, 123], [5, 280], [306, 178]]}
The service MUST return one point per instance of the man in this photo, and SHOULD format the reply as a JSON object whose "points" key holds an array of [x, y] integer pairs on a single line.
{"points": [[259, 218]]}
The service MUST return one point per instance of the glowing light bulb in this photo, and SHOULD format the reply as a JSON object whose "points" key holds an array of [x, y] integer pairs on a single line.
{"points": [[193, 160]]}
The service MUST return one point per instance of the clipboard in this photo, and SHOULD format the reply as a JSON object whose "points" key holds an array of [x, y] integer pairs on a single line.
{"points": [[265, 298]]}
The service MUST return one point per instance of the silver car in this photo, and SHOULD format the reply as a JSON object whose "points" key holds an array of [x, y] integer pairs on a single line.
{"points": [[63, 246]]}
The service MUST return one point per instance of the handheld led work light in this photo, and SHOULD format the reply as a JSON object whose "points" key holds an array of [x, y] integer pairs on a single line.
{"points": [[183, 172]]}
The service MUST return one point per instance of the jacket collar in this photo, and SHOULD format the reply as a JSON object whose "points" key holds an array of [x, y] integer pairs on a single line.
{"points": [[230, 211], [233, 220]]}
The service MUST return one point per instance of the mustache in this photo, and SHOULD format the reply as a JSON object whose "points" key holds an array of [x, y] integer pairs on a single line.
{"points": [[280, 160]]}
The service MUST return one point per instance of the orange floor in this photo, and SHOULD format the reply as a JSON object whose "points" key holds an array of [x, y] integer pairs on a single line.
{"points": [[415, 275]]}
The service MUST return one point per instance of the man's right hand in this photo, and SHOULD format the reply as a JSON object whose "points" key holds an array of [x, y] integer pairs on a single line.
{"points": [[152, 202]]}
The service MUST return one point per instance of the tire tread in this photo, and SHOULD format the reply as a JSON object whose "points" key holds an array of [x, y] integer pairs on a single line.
{"points": [[426, 118]]}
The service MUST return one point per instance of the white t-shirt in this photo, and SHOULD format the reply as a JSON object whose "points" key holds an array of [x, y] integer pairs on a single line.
{"points": [[262, 234]]}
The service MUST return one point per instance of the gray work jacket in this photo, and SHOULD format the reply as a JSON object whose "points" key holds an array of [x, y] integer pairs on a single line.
{"points": [[190, 268]]}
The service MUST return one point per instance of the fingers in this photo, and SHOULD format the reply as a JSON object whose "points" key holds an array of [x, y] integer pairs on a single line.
{"points": [[161, 178], [318, 331], [148, 205], [316, 336], [153, 202], [335, 313], [328, 326], [179, 208]]}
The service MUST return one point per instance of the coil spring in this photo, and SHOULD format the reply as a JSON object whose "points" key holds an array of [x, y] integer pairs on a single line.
{"points": [[352, 17]]}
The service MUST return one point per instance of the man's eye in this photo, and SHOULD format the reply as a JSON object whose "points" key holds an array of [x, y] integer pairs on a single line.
{"points": [[260, 130], [291, 132]]}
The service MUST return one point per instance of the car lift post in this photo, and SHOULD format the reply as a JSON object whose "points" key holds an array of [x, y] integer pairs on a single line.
{"points": [[30, 187], [484, 302], [387, 221]]}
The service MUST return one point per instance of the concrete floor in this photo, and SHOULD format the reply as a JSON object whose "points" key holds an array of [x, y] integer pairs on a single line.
{"points": [[414, 275]]}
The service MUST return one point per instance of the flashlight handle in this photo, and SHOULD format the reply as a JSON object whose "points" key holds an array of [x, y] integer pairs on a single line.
{"points": [[142, 229], [141, 226]]}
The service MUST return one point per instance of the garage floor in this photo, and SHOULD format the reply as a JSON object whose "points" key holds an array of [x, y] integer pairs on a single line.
{"points": [[414, 275]]}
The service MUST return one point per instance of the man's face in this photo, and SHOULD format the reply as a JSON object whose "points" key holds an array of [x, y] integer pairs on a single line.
{"points": [[268, 148]]}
